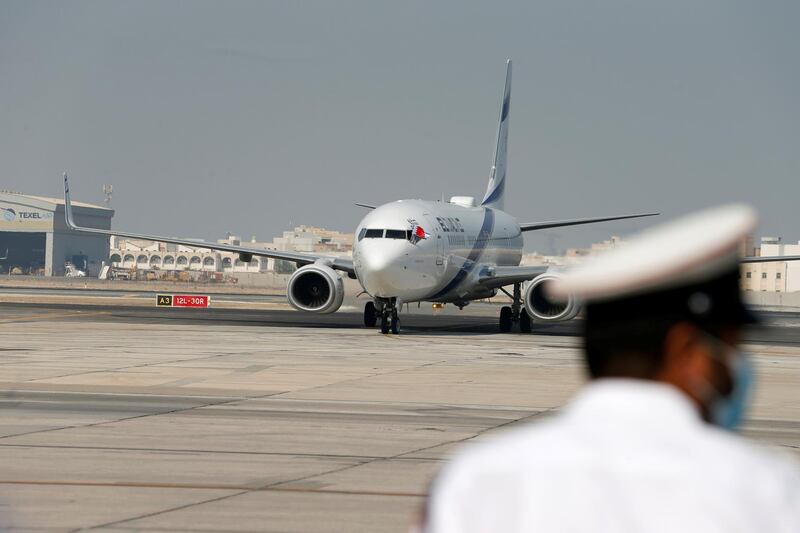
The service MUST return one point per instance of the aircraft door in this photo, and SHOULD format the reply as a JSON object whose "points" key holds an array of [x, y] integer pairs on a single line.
{"points": [[439, 249], [438, 236]]}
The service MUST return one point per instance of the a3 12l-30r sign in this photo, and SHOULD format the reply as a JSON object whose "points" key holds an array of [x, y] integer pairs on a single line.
{"points": [[182, 300]]}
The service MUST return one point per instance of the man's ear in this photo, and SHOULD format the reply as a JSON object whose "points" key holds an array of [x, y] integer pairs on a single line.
{"points": [[686, 363], [684, 355]]}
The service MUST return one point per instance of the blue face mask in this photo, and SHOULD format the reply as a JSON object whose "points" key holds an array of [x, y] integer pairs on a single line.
{"points": [[727, 411]]}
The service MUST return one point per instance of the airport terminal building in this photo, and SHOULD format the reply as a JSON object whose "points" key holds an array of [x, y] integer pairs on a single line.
{"points": [[34, 238]]}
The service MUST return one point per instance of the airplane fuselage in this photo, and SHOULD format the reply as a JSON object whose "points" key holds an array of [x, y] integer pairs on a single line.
{"points": [[390, 261]]}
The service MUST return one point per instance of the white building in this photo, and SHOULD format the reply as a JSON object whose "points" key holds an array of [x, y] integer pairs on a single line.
{"points": [[572, 256], [781, 276], [312, 239], [149, 255]]}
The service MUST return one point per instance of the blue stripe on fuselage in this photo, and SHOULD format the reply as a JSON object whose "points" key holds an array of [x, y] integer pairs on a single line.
{"points": [[472, 259], [496, 193]]}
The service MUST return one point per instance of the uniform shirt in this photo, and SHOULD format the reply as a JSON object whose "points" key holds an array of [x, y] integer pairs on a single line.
{"points": [[624, 456]]}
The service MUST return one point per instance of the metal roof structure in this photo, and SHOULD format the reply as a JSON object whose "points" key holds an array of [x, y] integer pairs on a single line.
{"points": [[44, 202]]}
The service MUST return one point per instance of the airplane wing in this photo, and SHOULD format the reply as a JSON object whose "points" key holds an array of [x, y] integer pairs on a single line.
{"points": [[494, 277], [533, 226], [337, 263], [769, 258]]}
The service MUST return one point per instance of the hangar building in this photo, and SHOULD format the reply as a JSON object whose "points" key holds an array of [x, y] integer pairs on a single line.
{"points": [[34, 237]]}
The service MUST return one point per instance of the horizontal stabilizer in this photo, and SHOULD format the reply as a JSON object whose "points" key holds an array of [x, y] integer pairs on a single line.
{"points": [[533, 226], [770, 259]]}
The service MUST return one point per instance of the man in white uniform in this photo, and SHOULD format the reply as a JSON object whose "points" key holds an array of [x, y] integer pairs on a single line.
{"points": [[646, 445]]}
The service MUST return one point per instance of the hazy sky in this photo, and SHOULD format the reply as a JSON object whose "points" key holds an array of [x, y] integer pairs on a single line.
{"points": [[209, 117]]}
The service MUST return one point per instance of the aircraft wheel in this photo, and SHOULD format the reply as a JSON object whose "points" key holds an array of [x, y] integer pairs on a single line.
{"points": [[505, 319], [395, 324], [370, 315], [385, 323], [524, 322]]}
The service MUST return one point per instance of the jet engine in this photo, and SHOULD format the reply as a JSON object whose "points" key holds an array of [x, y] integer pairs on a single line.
{"points": [[542, 308], [316, 288]]}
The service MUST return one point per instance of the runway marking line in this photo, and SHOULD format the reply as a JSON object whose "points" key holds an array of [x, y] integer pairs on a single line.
{"points": [[28, 318], [133, 484]]}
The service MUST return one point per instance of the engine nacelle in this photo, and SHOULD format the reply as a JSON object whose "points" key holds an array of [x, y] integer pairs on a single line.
{"points": [[316, 289], [542, 308]]}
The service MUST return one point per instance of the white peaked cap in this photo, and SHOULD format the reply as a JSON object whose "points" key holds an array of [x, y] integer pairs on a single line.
{"points": [[688, 250]]}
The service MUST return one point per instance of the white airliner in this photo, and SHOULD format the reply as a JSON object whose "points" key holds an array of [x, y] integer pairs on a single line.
{"points": [[424, 251]]}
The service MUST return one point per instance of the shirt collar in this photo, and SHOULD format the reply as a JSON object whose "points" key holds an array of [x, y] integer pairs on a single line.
{"points": [[633, 399]]}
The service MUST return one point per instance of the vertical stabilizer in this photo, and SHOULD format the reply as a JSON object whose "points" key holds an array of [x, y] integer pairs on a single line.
{"points": [[497, 176]]}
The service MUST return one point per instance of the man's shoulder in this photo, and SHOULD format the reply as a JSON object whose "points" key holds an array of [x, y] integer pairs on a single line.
{"points": [[731, 453], [553, 445]]}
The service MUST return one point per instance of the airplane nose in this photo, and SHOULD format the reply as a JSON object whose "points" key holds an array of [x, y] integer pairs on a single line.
{"points": [[378, 260], [381, 268]]}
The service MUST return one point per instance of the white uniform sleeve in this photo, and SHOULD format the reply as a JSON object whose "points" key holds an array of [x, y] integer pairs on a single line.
{"points": [[788, 497], [473, 494], [444, 508]]}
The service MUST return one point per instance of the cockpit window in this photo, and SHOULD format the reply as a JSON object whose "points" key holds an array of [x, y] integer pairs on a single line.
{"points": [[396, 234], [405, 234]]}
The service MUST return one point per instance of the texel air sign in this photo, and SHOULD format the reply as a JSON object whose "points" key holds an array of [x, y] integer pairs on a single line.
{"points": [[20, 218]]}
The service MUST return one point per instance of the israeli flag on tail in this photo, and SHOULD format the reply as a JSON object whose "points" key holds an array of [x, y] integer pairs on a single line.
{"points": [[497, 177]]}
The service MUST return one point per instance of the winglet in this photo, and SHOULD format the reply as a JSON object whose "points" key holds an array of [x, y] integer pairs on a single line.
{"points": [[68, 206]]}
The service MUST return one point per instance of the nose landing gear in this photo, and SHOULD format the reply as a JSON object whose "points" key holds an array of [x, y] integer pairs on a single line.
{"points": [[514, 314], [386, 311], [390, 322]]}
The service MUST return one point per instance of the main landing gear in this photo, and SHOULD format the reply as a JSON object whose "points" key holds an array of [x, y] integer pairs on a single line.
{"points": [[370, 315], [386, 312], [514, 314]]}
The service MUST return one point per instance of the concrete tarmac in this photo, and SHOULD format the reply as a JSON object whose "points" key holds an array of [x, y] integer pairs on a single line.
{"points": [[132, 418]]}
